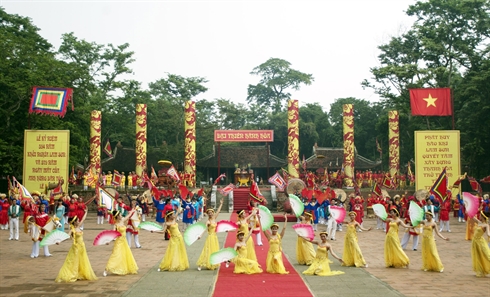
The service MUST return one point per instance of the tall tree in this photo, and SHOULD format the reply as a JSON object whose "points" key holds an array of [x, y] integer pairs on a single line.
{"points": [[26, 60], [277, 80], [448, 41]]}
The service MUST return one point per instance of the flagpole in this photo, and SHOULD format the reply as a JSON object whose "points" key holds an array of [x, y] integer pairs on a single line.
{"points": [[452, 108]]}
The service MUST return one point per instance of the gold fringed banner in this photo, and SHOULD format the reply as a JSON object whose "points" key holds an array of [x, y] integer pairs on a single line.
{"points": [[394, 142], [95, 131], [293, 138], [190, 144], [348, 125], [140, 139]]}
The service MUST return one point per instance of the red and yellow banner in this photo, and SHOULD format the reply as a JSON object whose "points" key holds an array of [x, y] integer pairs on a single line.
{"points": [[95, 131], [190, 144], [394, 142], [293, 138], [243, 135], [46, 158], [435, 150], [140, 139], [348, 127]]}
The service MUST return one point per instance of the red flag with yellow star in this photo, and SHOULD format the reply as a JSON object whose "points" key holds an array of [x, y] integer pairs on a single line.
{"points": [[431, 102]]}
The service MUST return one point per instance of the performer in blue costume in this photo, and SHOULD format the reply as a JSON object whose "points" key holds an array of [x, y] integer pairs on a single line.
{"points": [[159, 205], [312, 208], [188, 215]]}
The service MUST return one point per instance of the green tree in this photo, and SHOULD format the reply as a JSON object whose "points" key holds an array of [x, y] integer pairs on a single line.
{"points": [[447, 43], [26, 60], [277, 79]]}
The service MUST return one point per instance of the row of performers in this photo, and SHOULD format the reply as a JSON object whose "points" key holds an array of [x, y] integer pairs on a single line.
{"points": [[364, 179], [121, 261]]}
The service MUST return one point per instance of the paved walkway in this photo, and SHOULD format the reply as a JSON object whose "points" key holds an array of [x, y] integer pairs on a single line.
{"points": [[22, 276]]}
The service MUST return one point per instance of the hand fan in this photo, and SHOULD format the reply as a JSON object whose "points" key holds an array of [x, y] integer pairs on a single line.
{"points": [[106, 236], [225, 226], [222, 255], [380, 211], [150, 226], [416, 213], [55, 236], [471, 204], [296, 205], [304, 230], [266, 218], [338, 213], [193, 232]]}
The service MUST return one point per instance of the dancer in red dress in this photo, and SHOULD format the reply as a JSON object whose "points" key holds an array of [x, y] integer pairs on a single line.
{"points": [[4, 217]]}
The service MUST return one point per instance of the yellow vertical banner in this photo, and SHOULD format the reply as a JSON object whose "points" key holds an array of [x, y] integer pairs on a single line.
{"points": [[293, 138], [394, 142], [46, 158], [141, 117], [348, 127], [435, 150], [95, 132], [190, 143]]}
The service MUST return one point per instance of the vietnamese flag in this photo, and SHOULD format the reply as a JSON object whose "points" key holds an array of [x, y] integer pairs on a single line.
{"points": [[431, 102]]}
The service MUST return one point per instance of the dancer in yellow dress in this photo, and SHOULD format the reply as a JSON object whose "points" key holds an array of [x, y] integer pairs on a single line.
{"points": [[394, 254], [77, 265], [121, 261], [212, 244], [243, 223], [274, 263], [305, 253], [480, 252], [175, 258], [242, 263], [352, 255], [320, 265], [430, 256]]}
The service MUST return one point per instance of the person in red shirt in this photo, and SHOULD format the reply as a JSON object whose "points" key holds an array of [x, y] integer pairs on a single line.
{"points": [[445, 207], [358, 208], [134, 178], [80, 210], [72, 207], [41, 218]]}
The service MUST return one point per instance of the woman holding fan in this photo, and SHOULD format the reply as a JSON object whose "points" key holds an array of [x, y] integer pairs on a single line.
{"points": [[175, 258], [242, 263], [320, 265], [480, 252], [430, 256], [305, 253], [77, 265], [274, 262], [394, 254], [121, 261], [211, 245], [243, 227], [352, 255]]}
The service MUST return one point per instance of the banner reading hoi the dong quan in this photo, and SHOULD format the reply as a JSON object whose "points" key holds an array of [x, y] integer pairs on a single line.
{"points": [[46, 156], [435, 150]]}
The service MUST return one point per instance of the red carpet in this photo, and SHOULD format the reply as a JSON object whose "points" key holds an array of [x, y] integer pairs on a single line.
{"points": [[262, 284]]}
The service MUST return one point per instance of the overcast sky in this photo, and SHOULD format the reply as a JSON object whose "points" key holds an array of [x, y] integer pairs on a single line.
{"points": [[335, 40]]}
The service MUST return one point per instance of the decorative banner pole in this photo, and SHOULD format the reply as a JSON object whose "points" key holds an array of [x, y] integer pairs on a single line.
{"points": [[293, 138], [348, 125], [140, 139], [95, 131], [394, 142], [190, 143]]}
